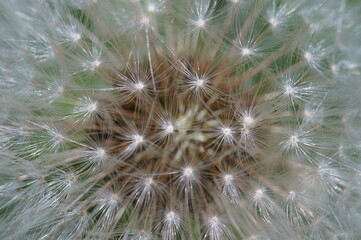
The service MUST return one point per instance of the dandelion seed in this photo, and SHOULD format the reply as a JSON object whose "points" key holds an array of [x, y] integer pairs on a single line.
{"points": [[273, 22], [171, 225], [188, 171], [170, 216], [145, 20], [148, 181], [199, 82], [200, 23], [259, 194], [291, 194], [76, 37], [307, 114], [214, 220], [85, 110], [151, 7], [92, 107], [138, 139], [169, 129], [60, 90], [216, 229], [248, 121], [226, 131], [228, 178], [22, 178], [225, 135], [294, 140], [96, 64], [245, 131], [100, 152], [139, 86], [246, 52], [59, 138], [308, 56], [334, 69], [289, 90]]}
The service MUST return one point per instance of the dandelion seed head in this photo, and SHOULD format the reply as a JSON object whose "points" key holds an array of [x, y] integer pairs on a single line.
{"points": [[190, 120]]}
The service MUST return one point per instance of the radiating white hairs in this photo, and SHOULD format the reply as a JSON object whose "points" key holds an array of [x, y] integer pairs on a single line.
{"points": [[168, 119]]}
